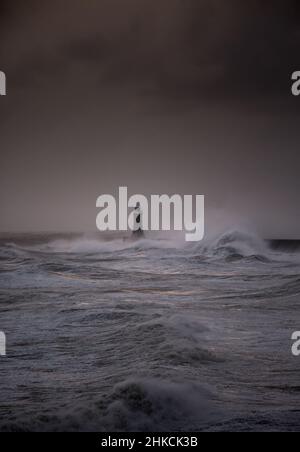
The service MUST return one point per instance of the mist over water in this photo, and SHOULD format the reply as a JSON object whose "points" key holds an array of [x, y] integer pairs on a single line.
{"points": [[153, 335]]}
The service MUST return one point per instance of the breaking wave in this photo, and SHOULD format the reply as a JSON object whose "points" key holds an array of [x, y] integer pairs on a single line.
{"points": [[134, 405], [230, 247], [237, 245]]}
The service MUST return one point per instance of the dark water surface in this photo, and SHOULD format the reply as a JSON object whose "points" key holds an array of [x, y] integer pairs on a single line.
{"points": [[148, 335]]}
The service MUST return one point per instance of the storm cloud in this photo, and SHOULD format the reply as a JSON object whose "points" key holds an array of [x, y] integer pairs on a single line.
{"points": [[174, 96]]}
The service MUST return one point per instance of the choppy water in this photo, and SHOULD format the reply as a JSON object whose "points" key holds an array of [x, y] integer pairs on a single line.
{"points": [[148, 335]]}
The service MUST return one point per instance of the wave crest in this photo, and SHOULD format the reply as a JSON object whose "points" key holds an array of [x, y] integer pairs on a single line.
{"points": [[237, 245]]}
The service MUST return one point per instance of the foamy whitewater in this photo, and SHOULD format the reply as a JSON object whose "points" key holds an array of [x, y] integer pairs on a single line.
{"points": [[148, 336]]}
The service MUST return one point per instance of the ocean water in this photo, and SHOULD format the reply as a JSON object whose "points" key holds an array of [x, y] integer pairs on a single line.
{"points": [[152, 335]]}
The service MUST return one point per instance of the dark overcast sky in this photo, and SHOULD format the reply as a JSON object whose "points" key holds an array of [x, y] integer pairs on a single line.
{"points": [[188, 96]]}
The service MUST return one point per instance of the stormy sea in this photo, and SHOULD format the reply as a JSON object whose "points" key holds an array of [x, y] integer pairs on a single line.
{"points": [[150, 335]]}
